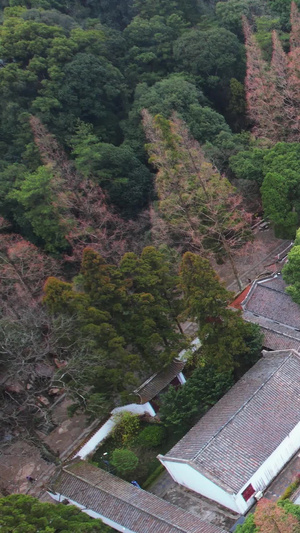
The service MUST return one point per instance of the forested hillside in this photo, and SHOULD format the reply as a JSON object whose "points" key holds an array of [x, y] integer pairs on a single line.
{"points": [[138, 140]]}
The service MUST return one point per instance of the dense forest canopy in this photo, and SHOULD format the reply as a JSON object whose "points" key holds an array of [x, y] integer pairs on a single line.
{"points": [[130, 134]]}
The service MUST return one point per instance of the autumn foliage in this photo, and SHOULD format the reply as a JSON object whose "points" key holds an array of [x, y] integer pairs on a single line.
{"points": [[273, 91], [270, 518], [85, 216], [23, 271]]}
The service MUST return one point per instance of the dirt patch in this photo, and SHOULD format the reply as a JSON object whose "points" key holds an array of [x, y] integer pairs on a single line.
{"points": [[20, 459], [67, 430]]}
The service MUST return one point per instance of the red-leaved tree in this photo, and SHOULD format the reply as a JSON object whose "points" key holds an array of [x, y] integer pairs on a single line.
{"points": [[273, 91], [85, 212], [200, 209], [264, 103], [23, 271], [270, 518]]}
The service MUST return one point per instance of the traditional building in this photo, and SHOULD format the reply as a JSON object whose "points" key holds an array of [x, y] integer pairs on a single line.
{"points": [[121, 505], [266, 303], [242, 443], [148, 392]]}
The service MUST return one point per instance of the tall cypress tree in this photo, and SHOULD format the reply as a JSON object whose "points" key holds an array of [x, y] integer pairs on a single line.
{"points": [[264, 105], [202, 210], [227, 341]]}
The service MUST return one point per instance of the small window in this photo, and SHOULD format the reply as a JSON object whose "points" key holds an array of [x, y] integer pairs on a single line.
{"points": [[248, 492]]}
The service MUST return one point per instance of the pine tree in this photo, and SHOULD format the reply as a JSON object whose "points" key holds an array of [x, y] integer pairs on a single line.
{"points": [[201, 209], [205, 296], [153, 272]]}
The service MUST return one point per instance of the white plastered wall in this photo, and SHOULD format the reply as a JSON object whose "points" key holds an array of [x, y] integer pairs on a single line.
{"points": [[186, 475], [181, 378], [273, 465], [107, 428]]}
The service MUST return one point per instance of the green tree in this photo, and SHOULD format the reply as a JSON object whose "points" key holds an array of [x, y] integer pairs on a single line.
{"points": [[248, 164], [213, 56], [116, 13], [88, 88], [227, 341], [223, 147], [237, 104], [174, 93], [230, 13], [281, 188], [143, 316], [276, 170], [291, 270], [126, 429], [180, 407], [127, 318], [149, 54], [205, 295], [189, 9], [125, 461], [24, 514], [109, 369], [248, 526], [116, 168], [153, 272], [34, 193]]}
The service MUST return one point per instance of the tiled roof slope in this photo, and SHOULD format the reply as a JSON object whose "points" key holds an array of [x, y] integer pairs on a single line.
{"points": [[154, 385], [276, 336], [131, 507], [274, 311], [241, 431], [269, 299]]}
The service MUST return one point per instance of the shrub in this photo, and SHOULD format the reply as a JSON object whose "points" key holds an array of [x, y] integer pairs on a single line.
{"points": [[127, 428], [152, 436], [290, 489], [125, 461]]}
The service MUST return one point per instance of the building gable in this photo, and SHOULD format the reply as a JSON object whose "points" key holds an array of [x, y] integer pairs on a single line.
{"points": [[244, 428]]}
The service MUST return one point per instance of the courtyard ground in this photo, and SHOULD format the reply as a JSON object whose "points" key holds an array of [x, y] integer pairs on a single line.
{"points": [[209, 511]]}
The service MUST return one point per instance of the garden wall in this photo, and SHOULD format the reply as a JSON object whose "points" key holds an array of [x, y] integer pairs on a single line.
{"points": [[107, 428]]}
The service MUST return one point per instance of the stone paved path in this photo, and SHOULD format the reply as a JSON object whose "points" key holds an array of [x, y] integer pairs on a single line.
{"points": [[166, 488]]}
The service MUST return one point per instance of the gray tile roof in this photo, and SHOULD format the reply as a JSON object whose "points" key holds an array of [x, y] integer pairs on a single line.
{"points": [[154, 385], [274, 311], [131, 507], [240, 432], [276, 336]]}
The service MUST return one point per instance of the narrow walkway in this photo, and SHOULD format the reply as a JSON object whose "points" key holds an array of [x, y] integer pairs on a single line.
{"points": [[209, 511], [284, 479]]}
